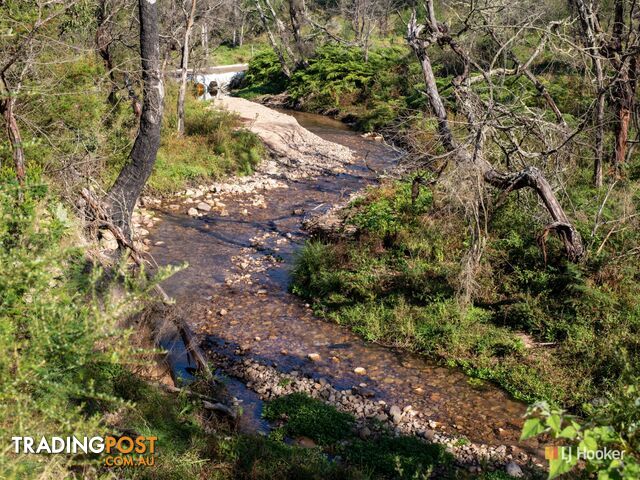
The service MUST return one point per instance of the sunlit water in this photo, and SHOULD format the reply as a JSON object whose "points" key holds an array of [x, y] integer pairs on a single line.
{"points": [[287, 329]]}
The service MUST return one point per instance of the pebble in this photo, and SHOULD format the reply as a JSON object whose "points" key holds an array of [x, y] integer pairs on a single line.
{"points": [[268, 383], [223, 312], [359, 371], [314, 357], [514, 470], [192, 212], [203, 207]]}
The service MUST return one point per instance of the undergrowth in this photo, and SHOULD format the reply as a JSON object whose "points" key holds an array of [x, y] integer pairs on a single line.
{"points": [[383, 456], [213, 146], [558, 331]]}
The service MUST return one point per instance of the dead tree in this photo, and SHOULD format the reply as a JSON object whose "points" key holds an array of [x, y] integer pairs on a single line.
{"points": [[470, 160], [590, 27], [277, 48], [134, 175], [184, 64]]}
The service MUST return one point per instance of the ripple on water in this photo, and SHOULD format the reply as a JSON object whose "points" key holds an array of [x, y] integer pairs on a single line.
{"points": [[266, 323]]}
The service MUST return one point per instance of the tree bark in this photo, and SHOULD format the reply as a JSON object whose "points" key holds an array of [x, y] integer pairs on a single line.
{"points": [[7, 104], [282, 31], [134, 175], [274, 44], [624, 87], [297, 18], [184, 65], [103, 43], [588, 21], [624, 94]]}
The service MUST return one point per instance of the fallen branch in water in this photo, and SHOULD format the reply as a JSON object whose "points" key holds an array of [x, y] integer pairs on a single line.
{"points": [[103, 220]]}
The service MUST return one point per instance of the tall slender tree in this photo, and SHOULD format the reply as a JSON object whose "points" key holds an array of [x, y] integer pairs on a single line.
{"points": [[134, 175], [184, 63]]}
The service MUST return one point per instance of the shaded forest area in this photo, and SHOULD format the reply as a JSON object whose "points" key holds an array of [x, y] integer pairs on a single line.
{"points": [[506, 243]]}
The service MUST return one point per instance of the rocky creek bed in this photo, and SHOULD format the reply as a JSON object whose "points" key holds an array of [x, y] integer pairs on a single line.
{"points": [[240, 238]]}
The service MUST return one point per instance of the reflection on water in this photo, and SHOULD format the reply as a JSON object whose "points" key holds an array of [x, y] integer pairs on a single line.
{"points": [[278, 328]]}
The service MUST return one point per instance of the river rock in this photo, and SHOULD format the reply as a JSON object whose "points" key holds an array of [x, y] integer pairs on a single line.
{"points": [[514, 470], [359, 371], [192, 212], [108, 240], [305, 442], [203, 207], [314, 357]]}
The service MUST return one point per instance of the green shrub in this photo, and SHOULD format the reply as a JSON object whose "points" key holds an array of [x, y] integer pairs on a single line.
{"points": [[264, 75], [397, 457], [613, 426], [214, 145], [51, 365], [308, 417], [397, 283]]}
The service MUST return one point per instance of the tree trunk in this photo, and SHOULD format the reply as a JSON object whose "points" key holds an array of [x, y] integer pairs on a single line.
{"points": [[134, 175], [588, 21], [274, 44], [297, 18], [204, 40], [184, 65], [7, 104], [624, 90], [103, 43], [282, 32], [624, 95]]}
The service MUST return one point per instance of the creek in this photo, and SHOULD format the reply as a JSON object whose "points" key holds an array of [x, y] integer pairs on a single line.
{"points": [[234, 294]]}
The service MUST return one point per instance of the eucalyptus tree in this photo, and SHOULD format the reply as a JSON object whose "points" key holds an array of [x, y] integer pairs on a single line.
{"points": [[124, 193], [189, 15]]}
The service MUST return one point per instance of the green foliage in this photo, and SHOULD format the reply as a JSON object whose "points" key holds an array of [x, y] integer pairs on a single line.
{"points": [[268, 459], [396, 457], [308, 417], [397, 283], [375, 91], [213, 146], [69, 125], [585, 439], [227, 55], [340, 77], [264, 74], [51, 326], [389, 212], [381, 457]]}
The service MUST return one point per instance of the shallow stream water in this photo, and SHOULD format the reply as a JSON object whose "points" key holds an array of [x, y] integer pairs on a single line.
{"points": [[239, 265]]}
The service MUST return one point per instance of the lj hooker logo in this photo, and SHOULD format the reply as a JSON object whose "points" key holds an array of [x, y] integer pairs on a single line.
{"points": [[117, 451]]}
